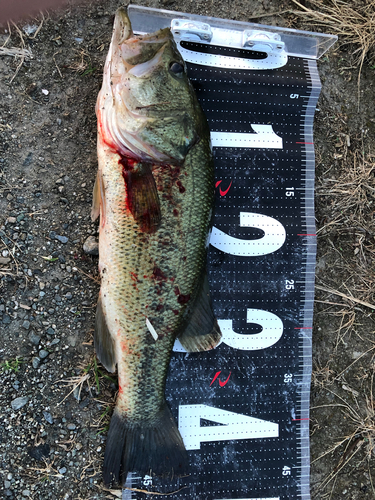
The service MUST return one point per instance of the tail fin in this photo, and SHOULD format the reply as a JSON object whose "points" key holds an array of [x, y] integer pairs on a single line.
{"points": [[148, 447]]}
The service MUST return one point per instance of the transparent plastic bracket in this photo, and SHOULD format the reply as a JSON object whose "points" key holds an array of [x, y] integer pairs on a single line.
{"points": [[276, 42]]}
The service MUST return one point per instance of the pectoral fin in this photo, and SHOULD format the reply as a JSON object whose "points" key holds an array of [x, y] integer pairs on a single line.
{"points": [[103, 342], [142, 196], [202, 332], [98, 199]]}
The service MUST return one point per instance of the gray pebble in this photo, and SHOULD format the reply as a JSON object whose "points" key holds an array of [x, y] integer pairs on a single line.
{"points": [[6, 319], [35, 362], [50, 330], [48, 417], [19, 402], [34, 338], [26, 325], [62, 470], [26, 493], [91, 246], [69, 296], [43, 354], [54, 236], [6, 484], [71, 427], [62, 239], [55, 341]]}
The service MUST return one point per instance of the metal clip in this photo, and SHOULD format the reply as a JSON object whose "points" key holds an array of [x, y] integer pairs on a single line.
{"points": [[191, 30], [262, 41]]}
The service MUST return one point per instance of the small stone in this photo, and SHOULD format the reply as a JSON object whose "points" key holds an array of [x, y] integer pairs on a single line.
{"points": [[4, 260], [91, 246], [11, 220], [26, 325], [26, 493], [6, 319], [69, 296], [79, 446], [41, 285], [19, 402], [55, 341], [71, 427], [43, 354], [7, 484], [62, 239], [10, 197], [34, 338], [62, 470], [48, 417], [35, 362]]}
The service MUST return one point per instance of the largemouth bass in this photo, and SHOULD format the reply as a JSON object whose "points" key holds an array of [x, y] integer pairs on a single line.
{"points": [[154, 192]]}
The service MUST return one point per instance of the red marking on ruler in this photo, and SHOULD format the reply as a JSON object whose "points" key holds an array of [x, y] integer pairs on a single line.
{"points": [[306, 234], [298, 419], [303, 328], [223, 193], [220, 382], [304, 143]]}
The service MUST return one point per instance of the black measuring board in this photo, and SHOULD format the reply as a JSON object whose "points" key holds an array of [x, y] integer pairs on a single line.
{"points": [[243, 408]]}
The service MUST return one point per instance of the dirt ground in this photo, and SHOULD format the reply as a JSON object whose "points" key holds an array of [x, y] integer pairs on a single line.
{"points": [[51, 442]]}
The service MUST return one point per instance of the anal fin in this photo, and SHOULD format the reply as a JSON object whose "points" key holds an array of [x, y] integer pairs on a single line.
{"points": [[202, 332], [103, 342]]}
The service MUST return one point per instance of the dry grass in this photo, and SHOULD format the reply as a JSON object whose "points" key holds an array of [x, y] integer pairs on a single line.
{"points": [[350, 201], [353, 193], [353, 22], [362, 420]]}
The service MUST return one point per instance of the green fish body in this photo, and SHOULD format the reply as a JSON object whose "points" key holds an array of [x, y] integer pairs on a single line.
{"points": [[154, 192]]}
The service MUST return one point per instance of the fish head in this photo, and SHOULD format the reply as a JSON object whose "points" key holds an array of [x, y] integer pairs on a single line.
{"points": [[147, 106]]}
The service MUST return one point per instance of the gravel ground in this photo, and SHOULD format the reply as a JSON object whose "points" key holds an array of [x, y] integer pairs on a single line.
{"points": [[52, 436]]}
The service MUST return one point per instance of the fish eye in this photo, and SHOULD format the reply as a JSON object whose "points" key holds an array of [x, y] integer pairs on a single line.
{"points": [[176, 68]]}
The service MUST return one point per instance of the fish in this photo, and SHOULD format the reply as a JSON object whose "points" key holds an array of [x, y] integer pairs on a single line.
{"points": [[154, 193]]}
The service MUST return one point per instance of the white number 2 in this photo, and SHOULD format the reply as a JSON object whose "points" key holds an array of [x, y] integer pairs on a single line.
{"points": [[273, 239]]}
